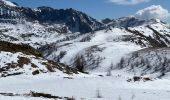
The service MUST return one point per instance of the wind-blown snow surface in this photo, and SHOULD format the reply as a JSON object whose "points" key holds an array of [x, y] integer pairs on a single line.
{"points": [[109, 87]]}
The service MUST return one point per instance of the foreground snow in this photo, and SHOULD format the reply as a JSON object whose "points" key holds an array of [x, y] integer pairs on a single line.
{"points": [[113, 87]]}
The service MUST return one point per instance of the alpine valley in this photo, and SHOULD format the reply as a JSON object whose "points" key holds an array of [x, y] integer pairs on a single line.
{"points": [[64, 54]]}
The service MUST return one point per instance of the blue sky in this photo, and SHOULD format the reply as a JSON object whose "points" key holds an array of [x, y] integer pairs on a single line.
{"points": [[98, 9]]}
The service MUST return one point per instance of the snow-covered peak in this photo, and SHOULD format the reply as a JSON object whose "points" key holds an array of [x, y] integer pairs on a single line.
{"points": [[131, 21], [9, 3]]}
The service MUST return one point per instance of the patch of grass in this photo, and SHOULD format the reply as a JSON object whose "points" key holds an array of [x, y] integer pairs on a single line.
{"points": [[38, 95], [44, 95], [26, 49], [13, 74], [23, 60], [33, 65], [51, 66]]}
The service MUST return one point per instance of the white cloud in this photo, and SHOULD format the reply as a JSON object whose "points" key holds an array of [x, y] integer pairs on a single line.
{"points": [[153, 12], [128, 2]]}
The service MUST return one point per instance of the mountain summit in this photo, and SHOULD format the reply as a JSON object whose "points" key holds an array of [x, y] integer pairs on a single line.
{"points": [[76, 21], [7, 3]]}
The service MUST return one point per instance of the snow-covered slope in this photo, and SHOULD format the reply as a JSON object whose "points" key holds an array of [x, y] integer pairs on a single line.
{"points": [[100, 49], [22, 59], [154, 61], [35, 34], [18, 63]]}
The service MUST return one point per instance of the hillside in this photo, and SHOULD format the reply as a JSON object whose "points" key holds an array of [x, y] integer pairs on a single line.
{"points": [[150, 61], [102, 49], [95, 48], [22, 59]]}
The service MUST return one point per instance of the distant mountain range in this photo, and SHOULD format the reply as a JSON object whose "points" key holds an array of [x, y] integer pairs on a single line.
{"points": [[75, 21]]}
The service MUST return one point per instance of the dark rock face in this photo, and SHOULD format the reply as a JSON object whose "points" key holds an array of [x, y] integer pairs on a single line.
{"points": [[75, 21]]}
